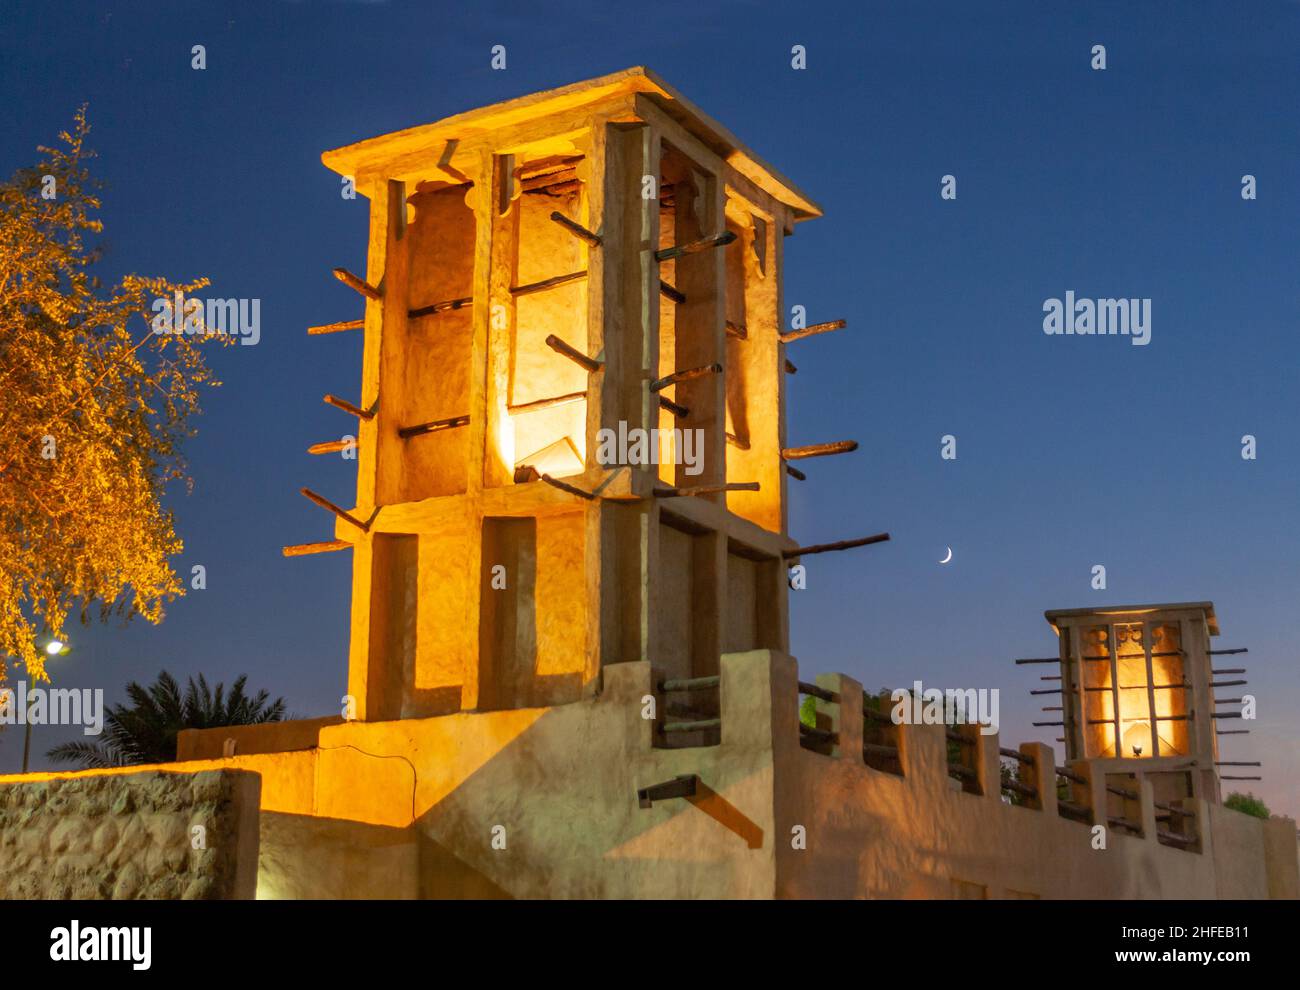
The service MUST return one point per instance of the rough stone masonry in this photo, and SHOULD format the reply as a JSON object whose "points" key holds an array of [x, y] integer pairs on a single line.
{"points": [[149, 834]]}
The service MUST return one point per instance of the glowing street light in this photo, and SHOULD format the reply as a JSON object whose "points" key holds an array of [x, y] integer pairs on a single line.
{"points": [[54, 648]]}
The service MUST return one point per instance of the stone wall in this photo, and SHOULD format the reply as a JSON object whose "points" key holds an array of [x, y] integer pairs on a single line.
{"points": [[130, 835]]}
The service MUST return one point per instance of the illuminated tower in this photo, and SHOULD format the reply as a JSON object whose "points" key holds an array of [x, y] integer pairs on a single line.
{"points": [[597, 257], [1138, 693]]}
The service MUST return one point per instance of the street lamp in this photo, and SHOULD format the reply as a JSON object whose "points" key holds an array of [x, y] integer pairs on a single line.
{"points": [[54, 648]]}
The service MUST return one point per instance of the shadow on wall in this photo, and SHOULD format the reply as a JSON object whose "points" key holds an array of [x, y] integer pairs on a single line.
{"points": [[303, 857]]}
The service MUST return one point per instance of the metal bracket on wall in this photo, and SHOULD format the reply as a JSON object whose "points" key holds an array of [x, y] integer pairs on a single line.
{"points": [[679, 787]]}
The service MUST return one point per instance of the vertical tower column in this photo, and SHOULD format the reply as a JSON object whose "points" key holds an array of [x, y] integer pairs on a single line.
{"points": [[385, 321], [623, 537]]}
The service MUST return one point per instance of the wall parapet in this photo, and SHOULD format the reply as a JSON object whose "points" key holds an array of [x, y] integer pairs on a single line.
{"points": [[949, 778]]}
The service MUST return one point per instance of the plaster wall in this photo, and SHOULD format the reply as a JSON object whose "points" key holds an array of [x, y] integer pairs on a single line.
{"points": [[542, 802], [872, 833]]}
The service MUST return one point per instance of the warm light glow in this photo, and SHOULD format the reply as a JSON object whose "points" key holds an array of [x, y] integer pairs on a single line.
{"points": [[560, 459], [505, 442], [55, 646], [1137, 740]]}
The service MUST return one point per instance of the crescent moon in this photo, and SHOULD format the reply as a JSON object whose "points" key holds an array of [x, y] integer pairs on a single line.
{"points": [[947, 558]]}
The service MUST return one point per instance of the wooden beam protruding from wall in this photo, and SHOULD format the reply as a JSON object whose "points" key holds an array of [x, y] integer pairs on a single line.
{"points": [[304, 549], [565, 487], [439, 307], [348, 407], [433, 426], [360, 284], [819, 450], [840, 545], [336, 327], [329, 506], [703, 244], [573, 354], [547, 403], [546, 283], [681, 412], [333, 446], [686, 375], [668, 292], [813, 330], [576, 229]]}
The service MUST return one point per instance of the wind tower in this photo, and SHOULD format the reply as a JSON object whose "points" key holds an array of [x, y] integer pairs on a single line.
{"points": [[1140, 694], [599, 257]]}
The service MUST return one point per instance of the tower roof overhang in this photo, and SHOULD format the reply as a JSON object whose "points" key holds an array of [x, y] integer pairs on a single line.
{"points": [[1113, 612], [388, 153]]}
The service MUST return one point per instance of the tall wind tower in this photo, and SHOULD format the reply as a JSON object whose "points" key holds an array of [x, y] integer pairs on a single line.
{"points": [[597, 257]]}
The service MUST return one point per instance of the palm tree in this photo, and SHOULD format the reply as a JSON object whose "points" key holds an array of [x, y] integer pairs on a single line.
{"points": [[146, 731]]}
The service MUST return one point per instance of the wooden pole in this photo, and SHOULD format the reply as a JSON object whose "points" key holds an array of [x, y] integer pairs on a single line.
{"points": [[348, 407], [439, 307], [336, 327], [819, 450], [795, 473], [577, 230], [681, 412], [406, 432], [841, 545], [555, 400], [685, 376], [360, 284], [332, 446], [546, 283], [556, 483], [731, 486], [668, 292], [304, 549], [703, 244], [813, 330], [573, 354], [329, 506]]}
